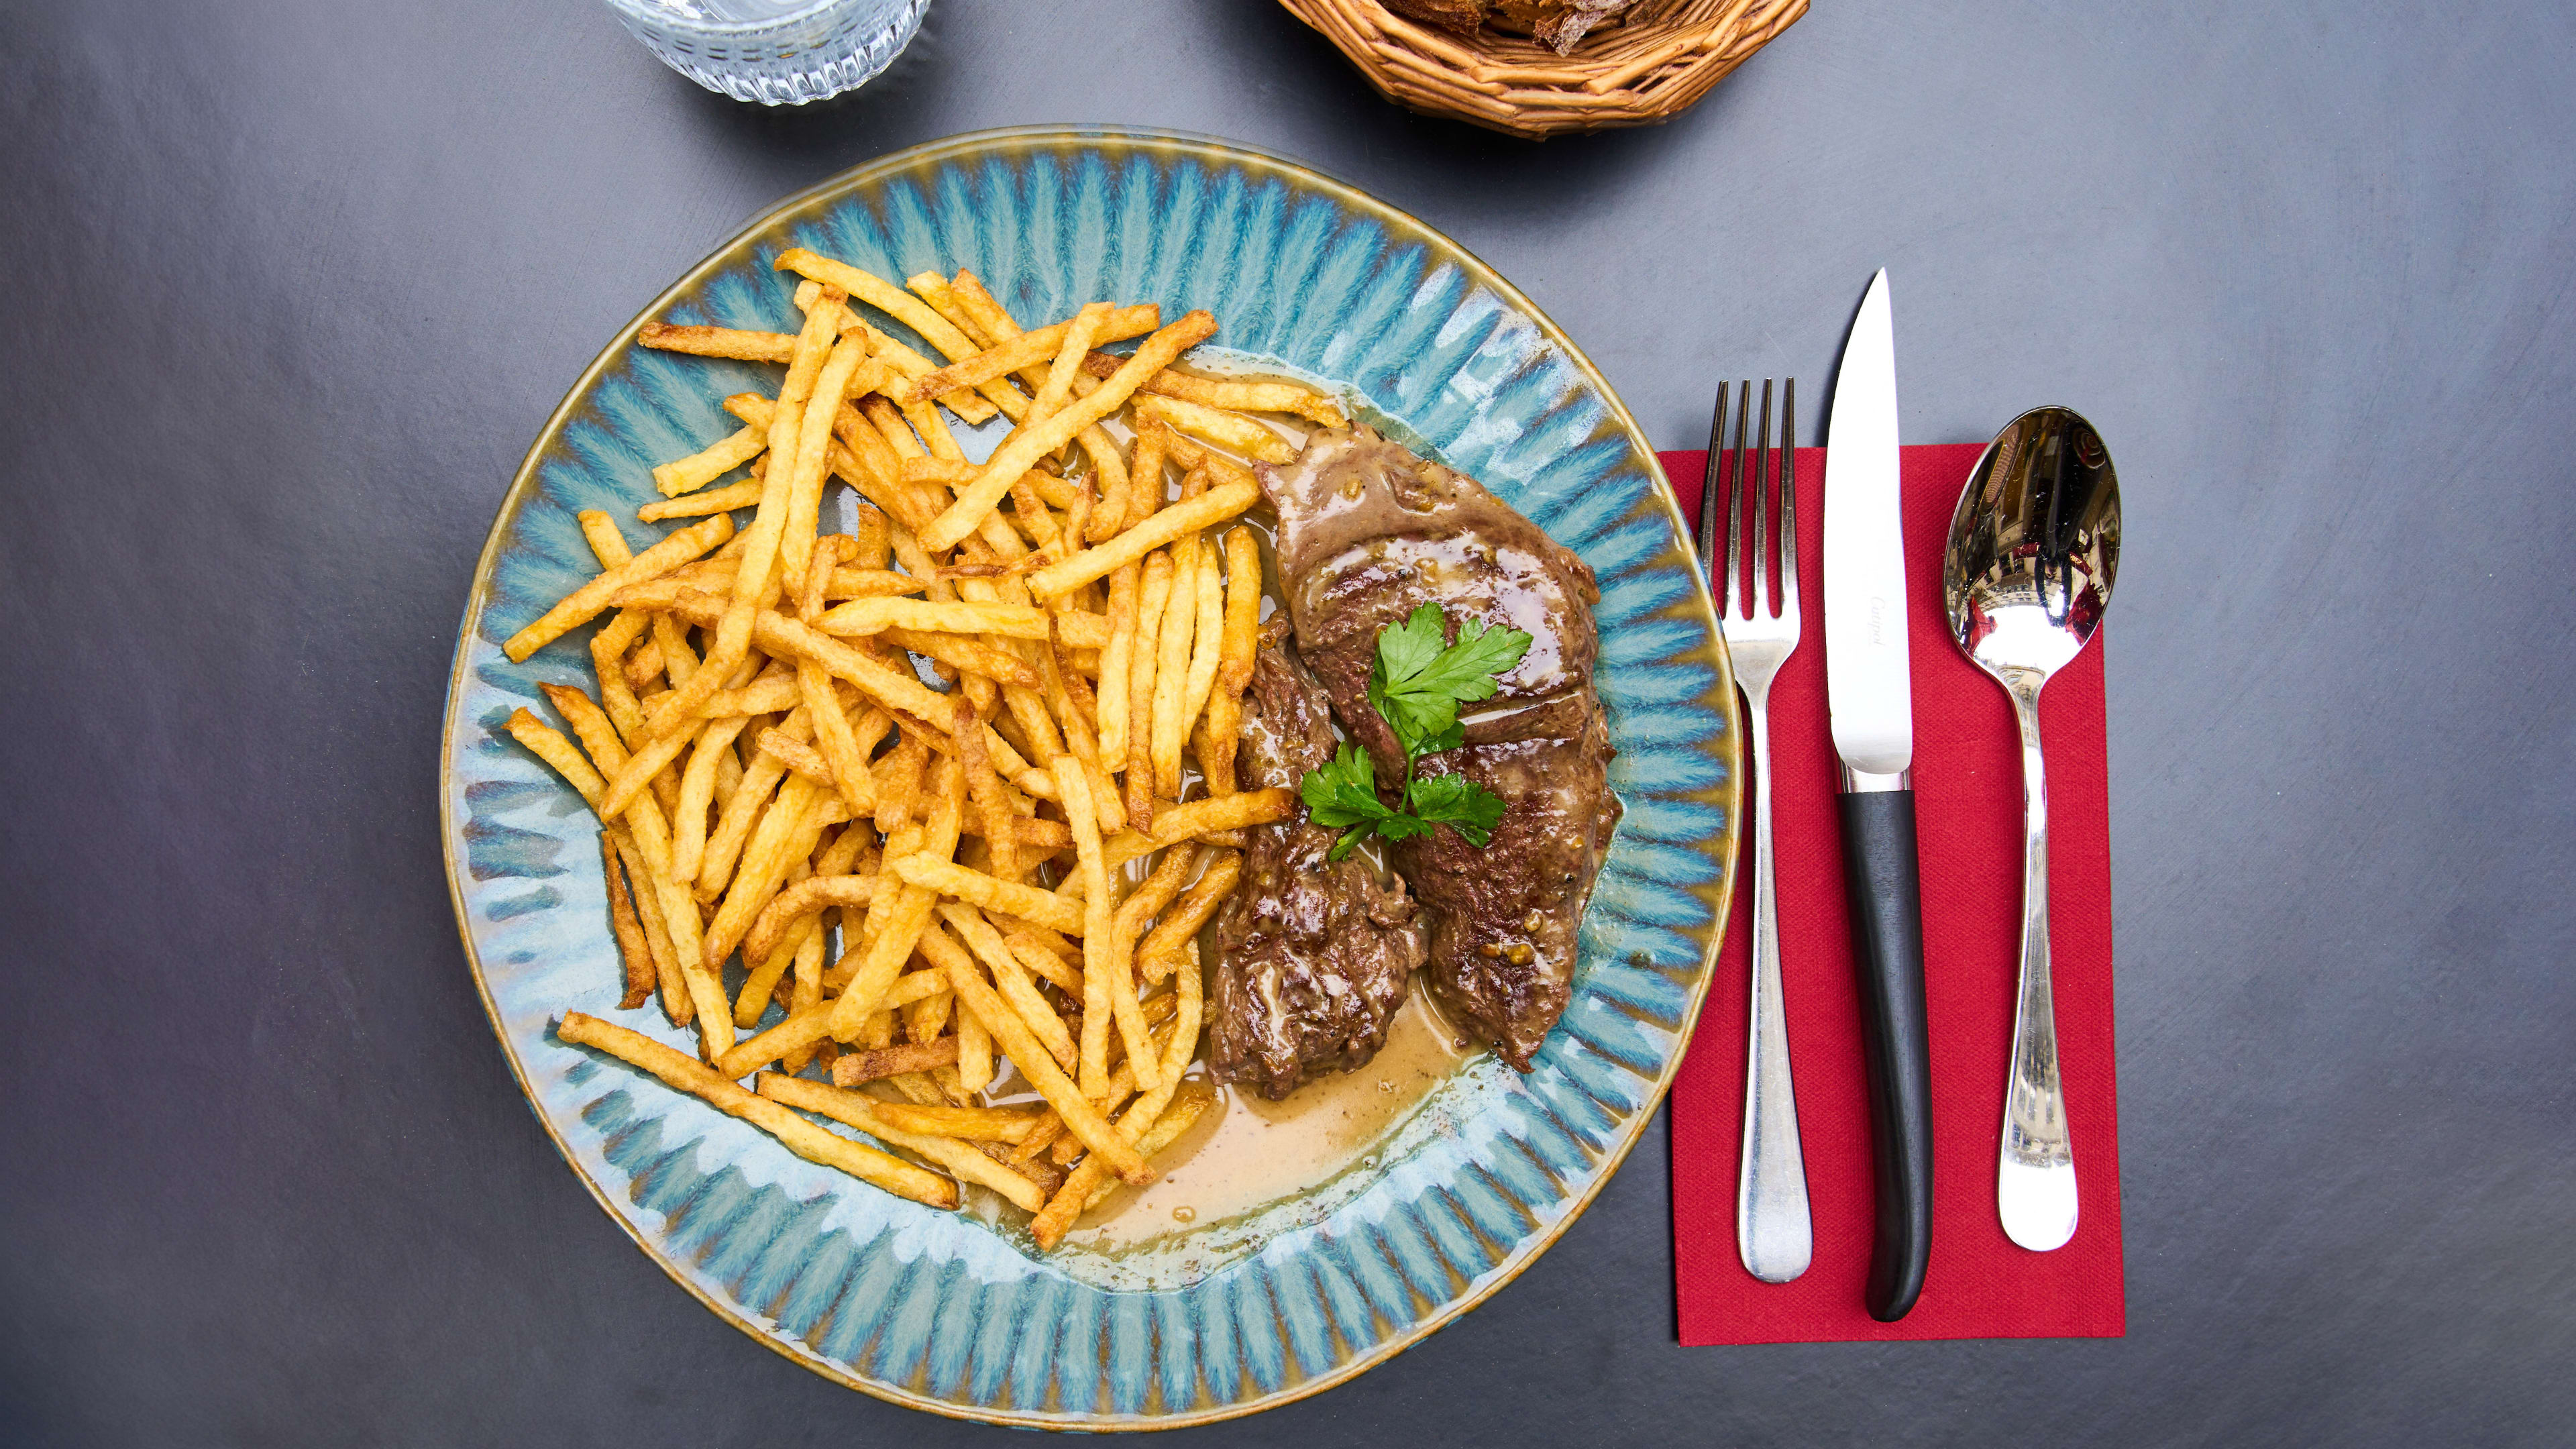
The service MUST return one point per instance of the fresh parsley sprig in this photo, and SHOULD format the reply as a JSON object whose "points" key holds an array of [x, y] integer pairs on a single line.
{"points": [[1416, 686]]}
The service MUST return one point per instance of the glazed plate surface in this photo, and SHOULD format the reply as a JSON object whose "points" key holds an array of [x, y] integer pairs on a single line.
{"points": [[1390, 1226]]}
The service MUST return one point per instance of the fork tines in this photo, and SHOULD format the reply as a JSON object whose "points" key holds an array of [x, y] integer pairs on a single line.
{"points": [[1773, 554]]}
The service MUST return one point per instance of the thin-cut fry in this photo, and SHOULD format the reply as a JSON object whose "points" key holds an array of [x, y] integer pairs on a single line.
{"points": [[1024, 447], [699, 505], [677, 1004], [1181, 925], [1226, 812], [808, 897], [1080, 1117], [814, 458], [976, 1124], [1214, 506], [1033, 348], [873, 1117], [586, 603], [1011, 979], [1140, 1125], [856, 1067], [951, 879], [634, 956], [696, 471], [1172, 667], [1234, 660], [1115, 667], [1232, 431], [992, 805], [1232, 395], [870, 616], [843, 747], [719, 342], [1152, 598], [802, 1137]]}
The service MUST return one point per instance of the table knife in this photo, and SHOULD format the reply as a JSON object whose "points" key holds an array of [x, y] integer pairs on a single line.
{"points": [[1870, 699]]}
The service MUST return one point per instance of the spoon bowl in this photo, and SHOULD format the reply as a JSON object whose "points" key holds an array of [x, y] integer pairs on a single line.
{"points": [[2034, 549]]}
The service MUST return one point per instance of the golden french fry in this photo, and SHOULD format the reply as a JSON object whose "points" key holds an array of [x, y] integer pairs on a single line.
{"points": [[733, 826], [696, 471], [875, 1118], [1224, 812], [1012, 979], [1214, 506], [680, 1007], [634, 957], [974, 1054], [1032, 348], [1172, 668], [587, 602], [699, 505], [856, 1067], [1234, 659], [870, 616], [697, 795], [802, 1137], [767, 969], [1232, 431], [718, 342], [1141, 1124], [808, 897], [837, 741], [1040, 958], [548, 744], [1028, 444], [1153, 894], [1152, 604], [1189, 986], [814, 457], [977, 1124], [965, 653], [1230, 395], [1078, 629], [950, 879], [784, 836], [1181, 925], [1115, 668], [894, 944], [1207, 643], [1080, 1117], [1078, 337], [992, 804]]}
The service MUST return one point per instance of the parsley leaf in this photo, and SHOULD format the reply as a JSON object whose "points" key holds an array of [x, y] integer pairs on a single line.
{"points": [[1342, 794], [1416, 685], [1419, 679], [1460, 803]]}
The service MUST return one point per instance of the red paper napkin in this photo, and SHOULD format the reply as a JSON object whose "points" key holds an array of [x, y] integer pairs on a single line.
{"points": [[1967, 783]]}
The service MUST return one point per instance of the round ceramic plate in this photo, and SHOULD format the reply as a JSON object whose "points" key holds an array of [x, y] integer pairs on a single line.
{"points": [[1396, 1229]]}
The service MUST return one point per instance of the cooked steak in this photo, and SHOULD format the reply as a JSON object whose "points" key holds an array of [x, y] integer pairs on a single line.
{"points": [[1313, 954], [1367, 532]]}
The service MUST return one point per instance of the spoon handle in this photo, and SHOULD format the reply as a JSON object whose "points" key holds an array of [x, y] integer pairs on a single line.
{"points": [[2035, 1174]]}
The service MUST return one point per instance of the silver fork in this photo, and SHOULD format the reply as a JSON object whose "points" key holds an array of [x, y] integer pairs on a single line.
{"points": [[1774, 1233]]}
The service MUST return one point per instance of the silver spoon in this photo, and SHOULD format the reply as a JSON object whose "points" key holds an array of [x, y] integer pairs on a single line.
{"points": [[2034, 546]]}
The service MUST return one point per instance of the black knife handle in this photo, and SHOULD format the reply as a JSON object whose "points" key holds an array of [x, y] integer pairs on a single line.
{"points": [[1879, 868]]}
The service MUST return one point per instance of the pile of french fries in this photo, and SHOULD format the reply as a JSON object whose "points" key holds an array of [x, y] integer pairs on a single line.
{"points": [[1010, 863]]}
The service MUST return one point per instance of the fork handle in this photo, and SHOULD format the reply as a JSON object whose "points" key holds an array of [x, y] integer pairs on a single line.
{"points": [[1882, 878]]}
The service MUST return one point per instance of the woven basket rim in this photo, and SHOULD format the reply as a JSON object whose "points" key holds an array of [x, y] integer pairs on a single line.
{"points": [[1651, 66]]}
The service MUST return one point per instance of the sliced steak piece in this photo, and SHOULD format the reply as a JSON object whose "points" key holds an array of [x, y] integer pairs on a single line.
{"points": [[1368, 532], [1313, 955]]}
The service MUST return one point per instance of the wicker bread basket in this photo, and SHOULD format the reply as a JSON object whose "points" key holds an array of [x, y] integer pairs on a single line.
{"points": [[1662, 56]]}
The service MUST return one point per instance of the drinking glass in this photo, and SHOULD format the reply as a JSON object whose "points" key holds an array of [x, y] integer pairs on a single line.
{"points": [[776, 52]]}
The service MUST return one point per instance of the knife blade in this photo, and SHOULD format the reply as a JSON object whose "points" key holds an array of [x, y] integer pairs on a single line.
{"points": [[1869, 697]]}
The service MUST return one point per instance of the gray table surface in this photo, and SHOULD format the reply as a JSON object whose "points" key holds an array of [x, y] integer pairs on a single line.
{"points": [[290, 284]]}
